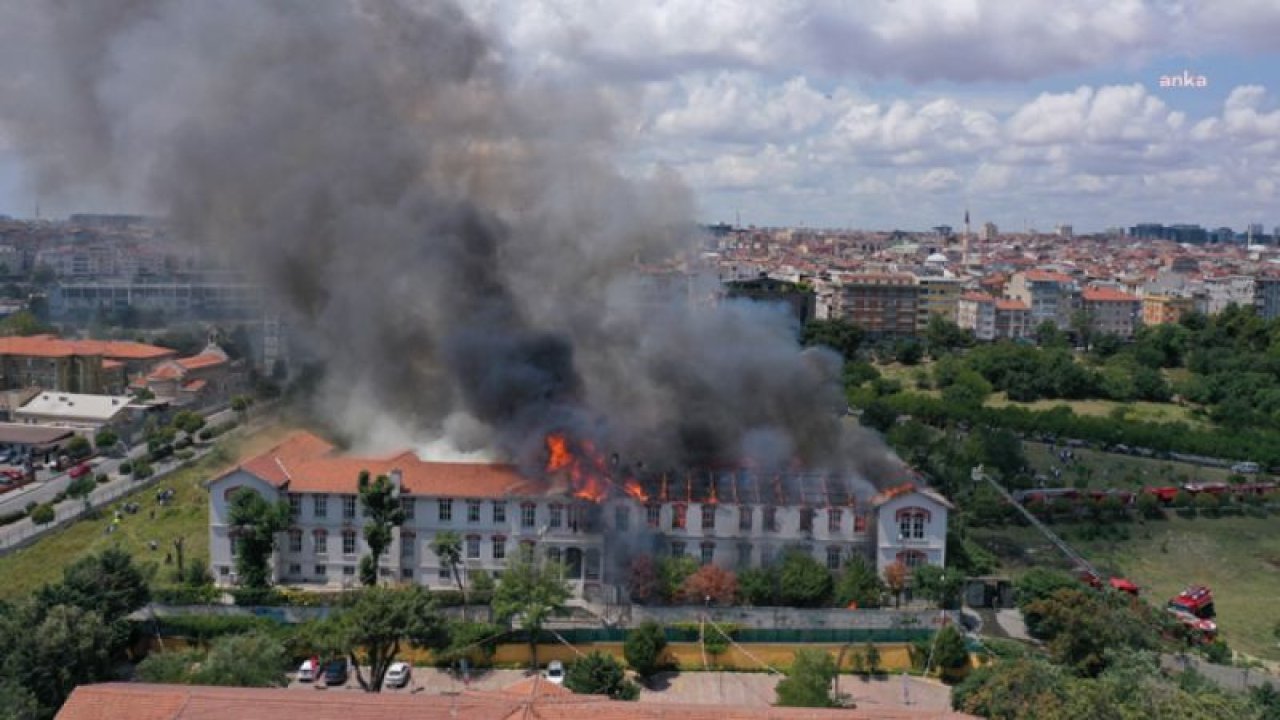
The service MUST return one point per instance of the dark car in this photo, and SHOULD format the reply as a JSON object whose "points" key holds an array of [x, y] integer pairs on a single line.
{"points": [[335, 672]]}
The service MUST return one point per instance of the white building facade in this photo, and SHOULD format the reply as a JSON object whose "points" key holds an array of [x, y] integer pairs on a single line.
{"points": [[728, 520]]}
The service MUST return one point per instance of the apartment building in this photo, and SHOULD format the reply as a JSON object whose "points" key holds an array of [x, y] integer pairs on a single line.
{"points": [[1229, 290], [1161, 309], [731, 519], [1266, 296], [1111, 311], [937, 297], [880, 303], [1048, 295], [77, 366], [991, 318]]}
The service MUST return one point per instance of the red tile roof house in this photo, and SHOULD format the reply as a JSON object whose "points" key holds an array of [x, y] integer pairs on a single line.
{"points": [[206, 376], [83, 366], [725, 518], [1112, 311]]}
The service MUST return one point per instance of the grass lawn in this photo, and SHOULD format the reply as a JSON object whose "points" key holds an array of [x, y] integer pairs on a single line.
{"points": [[186, 516], [1139, 411], [1106, 469], [1238, 557]]}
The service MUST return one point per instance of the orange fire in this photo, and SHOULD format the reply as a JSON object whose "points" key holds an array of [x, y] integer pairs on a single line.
{"points": [[586, 470], [632, 488]]}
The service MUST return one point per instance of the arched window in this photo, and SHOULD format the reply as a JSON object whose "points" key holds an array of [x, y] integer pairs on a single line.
{"points": [[911, 522]]}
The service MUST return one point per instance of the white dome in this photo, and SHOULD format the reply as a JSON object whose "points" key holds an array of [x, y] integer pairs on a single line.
{"points": [[936, 258]]}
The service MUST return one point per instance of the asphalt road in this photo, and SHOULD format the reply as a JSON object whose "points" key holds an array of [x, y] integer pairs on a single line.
{"points": [[49, 483]]}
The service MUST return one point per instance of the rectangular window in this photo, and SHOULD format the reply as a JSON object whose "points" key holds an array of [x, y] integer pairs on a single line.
{"points": [[708, 553], [557, 515], [321, 570], [860, 522], [408, 546], [771, 519], [833, 520], [223, 570], [499, 512], [528, 515], [744, 555], [295, 569], [677, 549], [320, 506], [473, 511], [708, 517], [652, 515], [833, 558], [917, 526], [766, 555], [622, 518], [235, 545], [678, 512], [444, 575], [473, 547], [322, 543], [806, 519], [349, 542], [348, 507], [445, 510], [499, 547], [406, 573], [409, 505], [295, 541], [295, 505], [348, 570], [744, 518]]}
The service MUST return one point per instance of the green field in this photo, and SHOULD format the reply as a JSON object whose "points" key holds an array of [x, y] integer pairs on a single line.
{"points": [[1238, 557], [1138, 411], [1105, 469], [186, 516]]}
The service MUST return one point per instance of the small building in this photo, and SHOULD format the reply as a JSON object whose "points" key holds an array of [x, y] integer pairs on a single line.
{"points": [[1049, 295], [1112, 311], [201, 379], [72, 410], [912, 527], [34, 440], [992, 318]]}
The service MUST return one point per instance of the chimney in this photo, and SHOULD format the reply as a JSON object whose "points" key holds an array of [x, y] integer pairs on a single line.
{"points": [[397, 482]]}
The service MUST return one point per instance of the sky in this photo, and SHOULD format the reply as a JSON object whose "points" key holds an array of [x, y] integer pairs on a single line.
{"points": [[885, 114]]}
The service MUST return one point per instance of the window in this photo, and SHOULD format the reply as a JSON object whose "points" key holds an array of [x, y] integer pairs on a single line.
{"points": [[224, 571], [235, 545], [295, 569], [499, 512], [408, 504], [408, 545], [320, 506], [806, 520], [295, 541], [528, 515], [473, 511], [744, 555], [348, 542], [473, 547], [444, 575], [499, 547], [406, 573], [652, 515], [321, 570], [579, 519], [557, 515], [911, 522], [708, 517], [744, 518], [321, 539], [833, 558], [622, 518], [771, 519], [348, 507], [295, 505], [860, 522], [678, 512], [348, 570], [708, 552], [766, 556], [445, 510], [912, 559], [833, 520], [677, 549], [553, 555]]}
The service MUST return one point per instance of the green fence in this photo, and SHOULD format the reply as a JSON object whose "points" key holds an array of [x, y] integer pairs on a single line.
{"points": [[816, 635]]}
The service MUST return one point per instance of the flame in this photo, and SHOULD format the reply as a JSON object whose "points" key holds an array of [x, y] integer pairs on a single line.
{"points": [[586, 469], [632, 488], [558, 455], [712, 499]]}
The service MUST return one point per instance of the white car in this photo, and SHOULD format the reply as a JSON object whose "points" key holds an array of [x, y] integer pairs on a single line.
{"points": [[555, 672], [398, 675], [307, 673]]}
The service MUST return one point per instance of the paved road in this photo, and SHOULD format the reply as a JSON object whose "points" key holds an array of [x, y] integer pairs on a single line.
{"points": [[49, 483]]}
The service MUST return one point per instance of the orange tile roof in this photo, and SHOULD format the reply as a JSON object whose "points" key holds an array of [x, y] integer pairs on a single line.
{"points": [[977, 297], [1097, 294], [194, 385], [111, 364], [203, 360], [50, 346], [144, 701], [1047, 276], [168, 371]]}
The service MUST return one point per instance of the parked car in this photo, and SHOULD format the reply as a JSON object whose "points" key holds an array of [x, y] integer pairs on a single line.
{"points": [[80, 471], [307, 672], [335, 672], [1246, 468], [555, 672], [398, 675]]}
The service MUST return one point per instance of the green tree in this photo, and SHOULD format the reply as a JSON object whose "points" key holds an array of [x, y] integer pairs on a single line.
{"points": [[43, 514], [872, 655], [23, 323], [878, 415], [255, 522], [759, 586], [106, 439], [943, 335], [377, 622], [50, 650], [1081, 627], [859, 584], [968, 389], [247, 660], [240, 405], [447, 545], [383, 512], [842, 336], [808, 682], [530, 589], [644, 647], [949, 652], [188, 422], [79, 447], [1047, 334], [1018, 689], [600, 674], [804, 582], [672, 572], [173, 667], [18, 702], [108, 583], [939, 585]]}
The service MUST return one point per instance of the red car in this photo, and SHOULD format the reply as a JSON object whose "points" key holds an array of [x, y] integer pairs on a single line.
{"points": [[80, 471]]}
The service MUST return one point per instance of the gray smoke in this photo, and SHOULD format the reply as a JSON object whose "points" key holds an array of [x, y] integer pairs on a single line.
{"points": [[455, 244]]}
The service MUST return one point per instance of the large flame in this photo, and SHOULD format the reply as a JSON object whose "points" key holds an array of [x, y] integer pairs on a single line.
{"points": [[585, 468], [632, 487]]}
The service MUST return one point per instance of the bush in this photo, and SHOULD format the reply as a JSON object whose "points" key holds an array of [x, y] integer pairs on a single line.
{"points": [[186, 595], [600, 674], [126, 468], [43, 514], [79, 447], [185, 454], [102, 479], [81, 486], [644, 647], [1218, 652], [200, 629], [258, 596], [142, 470], [106, 439]]}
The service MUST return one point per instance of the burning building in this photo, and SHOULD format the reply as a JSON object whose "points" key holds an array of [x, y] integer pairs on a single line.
{"points": [[587, 511]]}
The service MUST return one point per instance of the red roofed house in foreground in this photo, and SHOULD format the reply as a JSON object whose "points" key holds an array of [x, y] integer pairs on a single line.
{"points": [[731, 518]]}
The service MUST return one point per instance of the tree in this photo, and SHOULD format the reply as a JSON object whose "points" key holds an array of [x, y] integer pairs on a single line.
{"points": [[43, 514], [255, 522], [1047, 334], [644, 647], [942, 335], [949, 651], [858, 585], [378, 621], [709, 582], [939, 585], [143, 394], [172, 667], [531, 589], [759, 586], [23, 323], [79, 447], [804, 582], [840, 335], [1081, 627], [50, 650], [447, 545], [188, 422], [1021, 688], [872, 654], [895, 579], [672, 572], [878, 415], [643, 583], [248, 660], [108, 583], [106, 439], [600, 674], [240, 405], [18, 702], [380, 500], [808, 683]]}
